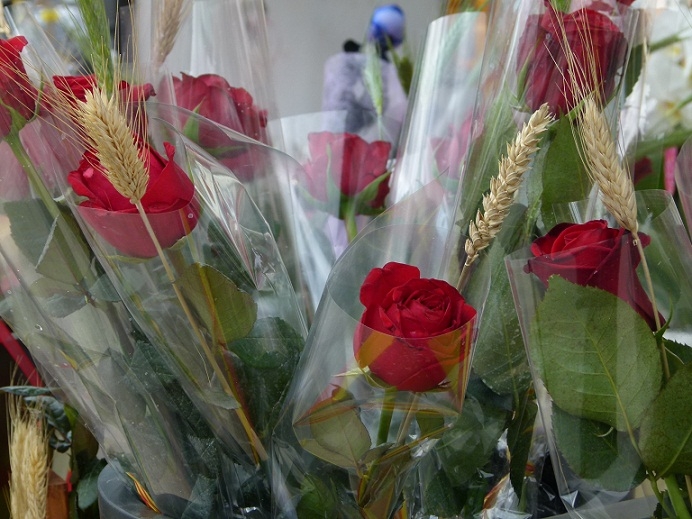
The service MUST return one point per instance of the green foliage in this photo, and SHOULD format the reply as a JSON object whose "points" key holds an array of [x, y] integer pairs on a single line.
{"points": [[595, 354], [226, 311], [597, 452], [563, 175], [96, 42], [266, 360], [665, 437]]}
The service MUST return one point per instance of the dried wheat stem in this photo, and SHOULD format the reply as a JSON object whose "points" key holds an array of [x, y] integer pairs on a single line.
{"points": [[616, 187], [503, 187], [4, 26], [29, 462], [108, 132], [603, 164], [168, 19]]}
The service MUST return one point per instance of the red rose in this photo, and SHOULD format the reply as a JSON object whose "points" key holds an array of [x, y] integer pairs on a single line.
{"points": [[349, 162], [77, 87], [593, 254], [168, 202], [212, 97], [17, 95], [413, 331], [597, 47]]}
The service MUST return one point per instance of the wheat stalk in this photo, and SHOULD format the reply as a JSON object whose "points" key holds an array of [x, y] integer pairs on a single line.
{"points": [[29, 461], [169, 16], [512, 167], [107, 130], [604, 167]]}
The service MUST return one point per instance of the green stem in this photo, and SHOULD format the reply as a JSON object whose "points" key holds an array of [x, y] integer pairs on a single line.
{"points": [[386, 415], [351, 225], [677, 499], [32, 173]]}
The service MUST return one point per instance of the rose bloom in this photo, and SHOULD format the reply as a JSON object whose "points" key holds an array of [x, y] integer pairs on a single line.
{"points": [[348, 161], [17, 94], [413, 331], [168, 202], [210, 96], [598, 48], [593, 254]]}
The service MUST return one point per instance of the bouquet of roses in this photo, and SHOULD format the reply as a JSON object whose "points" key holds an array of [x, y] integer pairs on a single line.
{"points": [[151, 225], [604, 306]]}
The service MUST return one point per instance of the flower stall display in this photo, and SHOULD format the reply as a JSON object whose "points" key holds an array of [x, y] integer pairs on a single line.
{"points": [[267, 317]]}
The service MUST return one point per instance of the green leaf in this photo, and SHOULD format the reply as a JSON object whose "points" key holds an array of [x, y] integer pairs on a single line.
{"points": [[30, 225], [225, 310], [266, 361], [317, 498], [441, 498], [57, 298], [520, 438], [338, 435], [500, 356], [596, 356], [564, 176], [379, 488], [597, 452], [366, 196], [104, 290], [561, 5], [665, 437], [471, 441], [634, 68], [87, 488], [66, 256]]}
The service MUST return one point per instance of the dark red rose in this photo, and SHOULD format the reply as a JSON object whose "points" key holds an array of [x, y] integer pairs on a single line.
{"points": [[169, 203], [413, 331], [593, 254], [210, 96], [598, 50], [349, 162], [17, 95]]}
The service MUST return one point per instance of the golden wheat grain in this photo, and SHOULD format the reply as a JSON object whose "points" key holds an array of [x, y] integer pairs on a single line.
{"points": [[503, 187], [603, 165], [110, 136], [29, 462], [169, 16]]}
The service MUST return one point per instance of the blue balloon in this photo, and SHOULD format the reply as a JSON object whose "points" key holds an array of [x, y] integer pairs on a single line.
{"points": [[387, 26]]}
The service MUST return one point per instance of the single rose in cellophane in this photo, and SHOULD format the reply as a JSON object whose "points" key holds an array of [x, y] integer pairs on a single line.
{"points": [[168, 202], [413, 331]]}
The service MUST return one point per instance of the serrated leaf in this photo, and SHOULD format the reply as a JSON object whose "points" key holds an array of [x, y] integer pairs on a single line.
{"points": [[596, 356], [337, 435], [665, 436], [597, 452], [58, 298], [104, 290], [225, 310]]}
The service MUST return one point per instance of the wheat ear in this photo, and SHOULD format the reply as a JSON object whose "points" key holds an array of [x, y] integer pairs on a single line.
{"points": [[503, 187], [29, 461], [108, 132], [605, 169], [168, 19]]}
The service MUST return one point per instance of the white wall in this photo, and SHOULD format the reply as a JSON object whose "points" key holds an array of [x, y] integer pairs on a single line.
{"points": [[304, 33]]}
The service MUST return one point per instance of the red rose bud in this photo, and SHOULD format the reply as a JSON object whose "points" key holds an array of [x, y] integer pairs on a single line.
{"points": [[17, 95], [597, 49], [168, 202], [349, 162], [414, 332], [593, 254]]}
